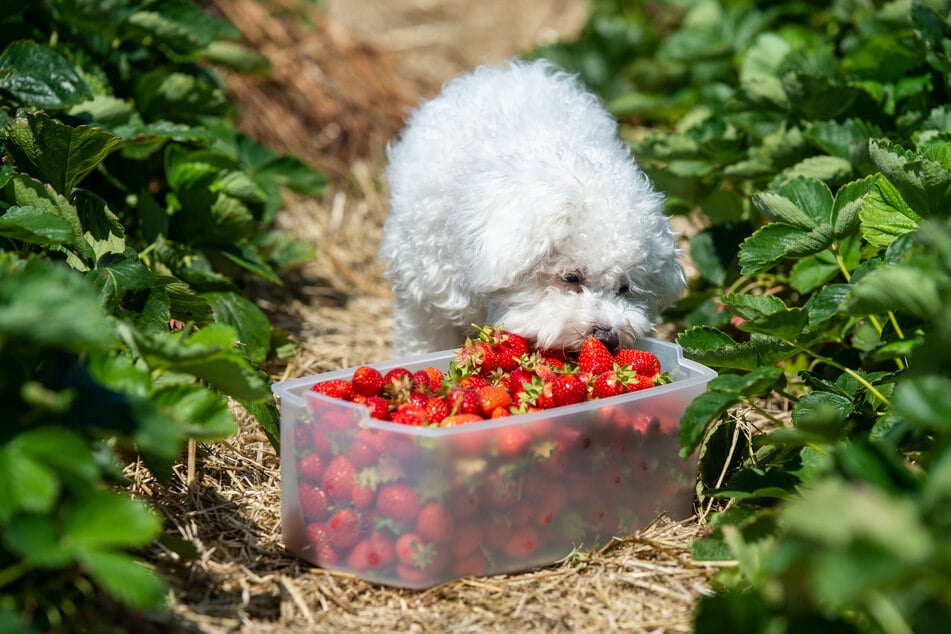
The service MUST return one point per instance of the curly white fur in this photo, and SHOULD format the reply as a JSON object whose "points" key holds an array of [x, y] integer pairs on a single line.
{"points": [[514, 202]]}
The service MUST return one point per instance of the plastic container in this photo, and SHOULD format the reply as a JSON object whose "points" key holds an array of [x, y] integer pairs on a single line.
{"points": [[415, 506]]}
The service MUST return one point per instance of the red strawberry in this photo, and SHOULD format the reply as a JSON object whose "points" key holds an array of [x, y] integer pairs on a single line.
{"points": [[460, 419], [397, 384], [365, 448], [310, 467], [378, 406], [467, 539], [423, 382], [512, 441], [463, 401], [381, 551], [436, 410], [640, 382], [473, 382], [397, 501], [595, 357], [343, 529], [409, 415], [517, 380], [522, 542], [608, 384], [319, 535], [367, 381], [339, 478], [492, 397], [508, 347], [435, 377], [476, 357], [568, 389], [362, 496], [434, 522], [314, 504], [472, 566], [641, 361], [335, 388]]}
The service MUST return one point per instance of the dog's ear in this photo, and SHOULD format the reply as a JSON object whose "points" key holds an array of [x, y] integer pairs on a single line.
{"points": [[510, 215]]}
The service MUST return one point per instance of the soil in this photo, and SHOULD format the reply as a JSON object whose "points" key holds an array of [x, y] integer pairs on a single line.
{"points": [[344, 76]]}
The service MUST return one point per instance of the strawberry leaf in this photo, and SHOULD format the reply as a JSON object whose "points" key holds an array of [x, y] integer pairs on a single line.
{"points": [[698, 416], [896, 288], [57, 153], [713, 347]]}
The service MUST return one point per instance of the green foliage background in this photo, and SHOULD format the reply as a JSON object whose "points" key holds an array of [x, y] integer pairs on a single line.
{"points": [[130, 211], [814, 141]]}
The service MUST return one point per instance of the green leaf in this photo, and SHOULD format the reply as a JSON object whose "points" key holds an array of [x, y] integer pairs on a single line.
{"points": [[848, 202], [827, 303], [712, 347], [812, 272], [704, 253], [752, 383], [179, 28], [236, 57], [61, 449], [266, 414], [35, 226], [291, 172], [35, 539], [104, 231], [847, 140], [36, 75], [117, 276], [54, 152], [923, 183], [106, 519], [48, 305], [752, 483], [254, 329], [37, 485], [778, 208], [925, 401], [821, 413], [837, 513], [884, 215], [124, 578], [209, 354], [897, 288], [201, 414], [245, 255], [767, 315], [828, 169], [810, 242], [698, 416], [767, 246], [24, 191]]}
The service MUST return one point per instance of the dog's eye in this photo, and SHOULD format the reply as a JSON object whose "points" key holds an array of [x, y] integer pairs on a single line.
{"points": [[574, 279], [623, 289]]}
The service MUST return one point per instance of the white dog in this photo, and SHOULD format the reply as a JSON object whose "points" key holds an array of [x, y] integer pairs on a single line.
{"points": [[515, 202]]}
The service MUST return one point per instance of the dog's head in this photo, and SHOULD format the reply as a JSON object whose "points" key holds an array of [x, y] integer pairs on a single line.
{"points": [[566, 249]]}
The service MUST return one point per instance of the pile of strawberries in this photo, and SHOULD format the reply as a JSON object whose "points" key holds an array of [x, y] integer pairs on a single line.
{"points": [[402, 505], [495, 375]]}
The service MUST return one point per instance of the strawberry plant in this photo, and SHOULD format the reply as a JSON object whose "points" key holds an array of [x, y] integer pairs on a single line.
{"points": [[130, 211], [813, 140]]}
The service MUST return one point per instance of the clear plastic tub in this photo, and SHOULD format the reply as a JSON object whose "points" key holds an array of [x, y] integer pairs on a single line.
{"points": [[417, 506]]}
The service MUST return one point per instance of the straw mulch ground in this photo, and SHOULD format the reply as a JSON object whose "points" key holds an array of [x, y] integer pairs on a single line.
{"points": [[334, 97]]}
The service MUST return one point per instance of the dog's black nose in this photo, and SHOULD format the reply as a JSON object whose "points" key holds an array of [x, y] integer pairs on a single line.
{"points": [[607, 336]]}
